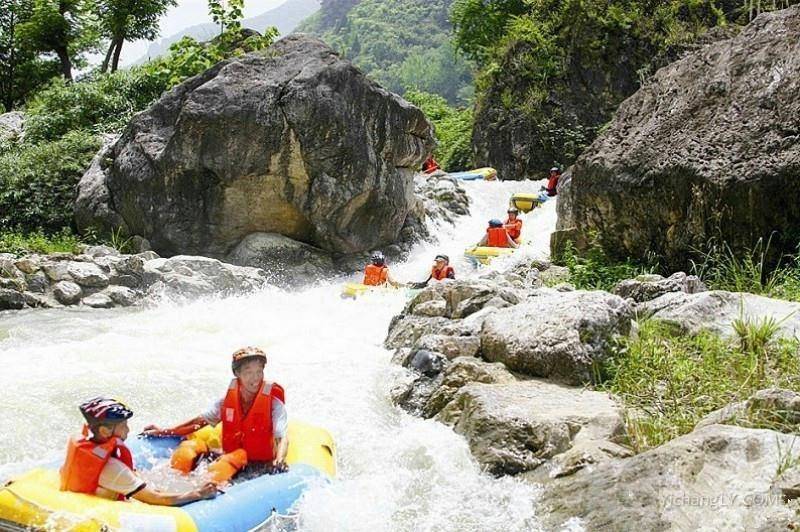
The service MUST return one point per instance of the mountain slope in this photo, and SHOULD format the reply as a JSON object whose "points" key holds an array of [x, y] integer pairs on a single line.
{"points": [[400, 43], [285, 17]]}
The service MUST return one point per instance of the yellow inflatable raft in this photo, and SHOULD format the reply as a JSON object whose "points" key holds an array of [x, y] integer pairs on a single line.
{"points": [[484, 255], [34, 501], [525, 201]]}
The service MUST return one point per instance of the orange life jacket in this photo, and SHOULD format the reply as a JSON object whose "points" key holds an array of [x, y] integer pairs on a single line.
{"points": [[375, 275], [513, 228], [430, 165], [86, 460], [552, 185], [442, 274], [497, 237], [252, 431]]}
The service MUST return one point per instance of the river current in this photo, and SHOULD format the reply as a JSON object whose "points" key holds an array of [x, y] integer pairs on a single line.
{"points": [[169, 362]]}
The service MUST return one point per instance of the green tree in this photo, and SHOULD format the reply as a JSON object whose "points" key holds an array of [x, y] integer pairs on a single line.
{"points": [[126, 20], [227, 13], [21, 69], [63, 27], [478, 25]]}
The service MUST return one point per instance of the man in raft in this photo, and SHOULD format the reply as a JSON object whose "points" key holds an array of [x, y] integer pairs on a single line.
{"points": [[376, 272], [100, 464], [513, 224], [552, 181], [496, 236], [254, 424], [440, 271]]}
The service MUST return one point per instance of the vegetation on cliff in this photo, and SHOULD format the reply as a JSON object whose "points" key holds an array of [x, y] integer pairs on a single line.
{"points": [[452, 127], [402, 44]]}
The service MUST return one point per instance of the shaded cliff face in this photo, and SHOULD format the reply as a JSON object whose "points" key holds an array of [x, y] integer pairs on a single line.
{"points": [[709, 148], [294, 141]]}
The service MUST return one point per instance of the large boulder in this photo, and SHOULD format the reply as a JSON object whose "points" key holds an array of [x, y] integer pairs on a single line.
{"points": [[517, 427], [716, 311], [558, 335], [291, 140], [708, 148], [647, 287], [716, 478]]}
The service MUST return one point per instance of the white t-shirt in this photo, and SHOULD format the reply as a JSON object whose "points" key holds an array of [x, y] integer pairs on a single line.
{"points": [[117, 479], [280, 420]]}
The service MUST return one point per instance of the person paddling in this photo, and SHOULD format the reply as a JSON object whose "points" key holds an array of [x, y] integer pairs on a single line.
{"points": [[552, 181], [254, 424], [100, 464], [376, 273], [513, 224], [496, 236], [440, 271]]}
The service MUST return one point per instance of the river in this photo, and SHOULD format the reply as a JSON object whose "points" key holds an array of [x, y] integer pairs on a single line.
{"points": [[396, 472]]}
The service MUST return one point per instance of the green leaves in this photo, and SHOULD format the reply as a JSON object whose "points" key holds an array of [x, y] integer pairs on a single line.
{"points": [[453, 128]]}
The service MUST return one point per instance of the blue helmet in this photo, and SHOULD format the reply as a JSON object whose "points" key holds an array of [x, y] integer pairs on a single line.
{"points": [[104, 410], [494, 222]]}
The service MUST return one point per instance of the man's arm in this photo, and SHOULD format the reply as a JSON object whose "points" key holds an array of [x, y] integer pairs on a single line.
{"points": [[483, 241], [511, 242], [184, 429], [159, 498]]}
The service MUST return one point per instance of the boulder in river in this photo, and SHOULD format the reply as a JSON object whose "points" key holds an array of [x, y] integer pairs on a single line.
{"points": [[517, 427], [291, 140], [558, 335], [709, 148]]}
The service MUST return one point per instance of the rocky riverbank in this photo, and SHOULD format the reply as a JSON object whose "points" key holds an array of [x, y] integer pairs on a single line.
{"points": [[516, 368]]}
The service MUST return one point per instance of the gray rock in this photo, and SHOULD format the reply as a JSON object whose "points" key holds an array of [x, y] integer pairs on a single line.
{"points": [[11, 127], [775, 406], [707, 149], [426, 362], [120, 295], [190, 277], [37, 282], [562, 336], [87, 274], [717, 310], [517, 427], [648, 287], [463, 297], [11, 299], [291, 140], [463, 371], [443, 197], [405, 330], [8, 270], [57, 270], [450, 346], [99, 300], [715, 478], [286, 261], [101, 251], [67, 292], [437, 307], [555, 275]]}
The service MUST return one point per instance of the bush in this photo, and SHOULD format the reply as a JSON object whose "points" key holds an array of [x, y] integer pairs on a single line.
{"points": [[38, 242], [37, 182], [669, 382], [453, 128], [594, 270]]}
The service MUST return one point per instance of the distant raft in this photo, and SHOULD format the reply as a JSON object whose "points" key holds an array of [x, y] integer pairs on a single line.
{"points": [[34, 501], [354, 290], [484, 254], [486, 174], [527, 201]]}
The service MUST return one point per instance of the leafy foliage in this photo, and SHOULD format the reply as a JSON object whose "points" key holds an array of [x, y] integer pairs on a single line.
{"points": [[453, 128], [594, 270], [37, 182], [38, 242], [403, 44]]}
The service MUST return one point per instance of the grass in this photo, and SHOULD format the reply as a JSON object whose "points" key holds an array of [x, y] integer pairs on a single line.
{"points": [[750, 271], [669, 382], [20, 243], [594, 270]]}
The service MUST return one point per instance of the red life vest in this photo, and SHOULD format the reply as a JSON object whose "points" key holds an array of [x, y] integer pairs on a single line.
{"points": [[442, 274], [86, 460], [251, 431], [513, 228], [375, 275], [497, 237], [552, 185], [430, 165]]}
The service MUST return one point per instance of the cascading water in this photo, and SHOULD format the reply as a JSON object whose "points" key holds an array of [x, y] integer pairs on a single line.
{"points": [[396, 472]]}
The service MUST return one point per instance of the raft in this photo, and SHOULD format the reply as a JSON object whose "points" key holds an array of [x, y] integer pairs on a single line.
{"points": [[527, 201], [33, 500], [484, 255], [487, 174], [354, 290]]}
